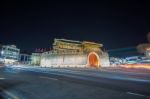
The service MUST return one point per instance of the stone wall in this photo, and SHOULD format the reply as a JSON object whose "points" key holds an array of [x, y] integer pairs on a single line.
{"points": [[104, 60], [71, 60], [63, 60]]}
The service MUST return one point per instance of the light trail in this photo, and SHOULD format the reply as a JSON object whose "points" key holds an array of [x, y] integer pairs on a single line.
{"points": [[48, 78], [144, 66]]}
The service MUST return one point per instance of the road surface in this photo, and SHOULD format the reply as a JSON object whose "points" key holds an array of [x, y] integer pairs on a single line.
{"points": [[47, 83]]}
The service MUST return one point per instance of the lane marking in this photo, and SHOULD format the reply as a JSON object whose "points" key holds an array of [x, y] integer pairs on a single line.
{"points": [[112, 77], [2, 78], [137, 94], [92, 74], [9, 93], [106, 76], [48, 78]]}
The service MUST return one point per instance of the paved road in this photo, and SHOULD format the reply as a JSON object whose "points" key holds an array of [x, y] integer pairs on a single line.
{"points": [[27, 83]]}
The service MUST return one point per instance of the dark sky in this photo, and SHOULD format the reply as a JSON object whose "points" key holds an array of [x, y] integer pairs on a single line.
{"points": [[32, 25]]}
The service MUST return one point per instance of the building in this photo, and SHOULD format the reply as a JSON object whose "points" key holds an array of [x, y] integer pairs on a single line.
{"points": [[9, 53], [71, 53], [1, 58], [36, 59], [25, 58], [124, 52]]}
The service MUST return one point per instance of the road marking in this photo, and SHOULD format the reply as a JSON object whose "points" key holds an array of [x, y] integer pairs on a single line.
{"points": [[2, 78], [137, 94], [9, 93], [48, 78]]}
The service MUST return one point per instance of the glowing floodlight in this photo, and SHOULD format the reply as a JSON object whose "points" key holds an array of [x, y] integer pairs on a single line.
{"points": [[2, 52]]}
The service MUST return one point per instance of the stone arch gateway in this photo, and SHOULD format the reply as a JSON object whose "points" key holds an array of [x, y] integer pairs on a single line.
{"points": [[71, 53], [93, 60]]}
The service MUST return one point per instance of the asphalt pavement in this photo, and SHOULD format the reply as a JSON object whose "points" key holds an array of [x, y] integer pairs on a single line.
{"points": [[48, 83]]}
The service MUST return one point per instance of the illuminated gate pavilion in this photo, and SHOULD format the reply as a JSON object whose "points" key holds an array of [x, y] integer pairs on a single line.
{"points": [[71, 53]]}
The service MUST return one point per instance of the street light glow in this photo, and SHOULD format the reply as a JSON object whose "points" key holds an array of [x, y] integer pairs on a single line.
{"points": [[2, 52]]}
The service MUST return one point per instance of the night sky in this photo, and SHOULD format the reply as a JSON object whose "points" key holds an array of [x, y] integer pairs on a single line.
{"points": [[32, 25]]}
